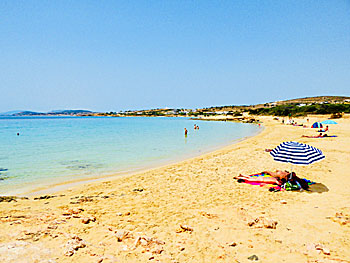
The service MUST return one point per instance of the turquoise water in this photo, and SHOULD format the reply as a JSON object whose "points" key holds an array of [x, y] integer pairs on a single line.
{"points": [[52, 150]]}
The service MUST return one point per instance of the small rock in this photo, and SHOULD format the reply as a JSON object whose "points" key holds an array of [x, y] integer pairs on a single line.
{"points": [[67, 214], [269, 223], [73, 245], [69, 252], [322, 249], [253, 258], [186, 228], [232, 244], [157, 250], [88, 220], [8, 198], [85, 199], [137, 242], [252, 222], [121, 234], [44, 197], [85, 220], [326, 251], [283, 202]]}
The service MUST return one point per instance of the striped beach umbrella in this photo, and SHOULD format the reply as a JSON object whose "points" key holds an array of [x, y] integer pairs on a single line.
{"points": [[329, 122], [296, 153], [317, 125]]}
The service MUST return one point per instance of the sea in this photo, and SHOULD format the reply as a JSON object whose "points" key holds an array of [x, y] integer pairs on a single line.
{"points": [[39, 152]]}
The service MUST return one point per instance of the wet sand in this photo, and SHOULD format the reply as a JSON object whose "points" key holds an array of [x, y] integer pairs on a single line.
{"points": [[193, 211]]}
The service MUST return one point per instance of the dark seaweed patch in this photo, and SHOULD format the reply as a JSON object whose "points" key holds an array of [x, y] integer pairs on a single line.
{"points": [[80, 165]]}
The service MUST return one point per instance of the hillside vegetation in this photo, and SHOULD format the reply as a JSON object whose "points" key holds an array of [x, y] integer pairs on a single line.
{"points": [[295, 110]]}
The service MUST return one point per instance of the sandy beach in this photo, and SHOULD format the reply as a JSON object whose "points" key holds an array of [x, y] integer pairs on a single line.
{"points": [[193, 211]]}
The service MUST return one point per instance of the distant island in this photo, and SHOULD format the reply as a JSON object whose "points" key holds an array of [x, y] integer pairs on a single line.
{"points": [[335, 105], [51, 113]]}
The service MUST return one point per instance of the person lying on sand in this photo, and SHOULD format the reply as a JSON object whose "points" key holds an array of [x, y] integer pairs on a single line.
{"points": [[317, 136], [279, 178], [265, 180]]}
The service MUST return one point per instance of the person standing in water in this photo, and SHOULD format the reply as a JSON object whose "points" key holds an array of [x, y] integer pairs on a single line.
{"points": [[186, 132]]}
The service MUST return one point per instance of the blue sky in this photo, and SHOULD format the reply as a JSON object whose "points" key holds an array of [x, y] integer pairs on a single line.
{"points": [[117, 55]]}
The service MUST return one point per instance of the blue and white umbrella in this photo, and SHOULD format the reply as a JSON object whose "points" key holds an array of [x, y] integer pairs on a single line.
{"points": [[296, 153], [329, 122]]}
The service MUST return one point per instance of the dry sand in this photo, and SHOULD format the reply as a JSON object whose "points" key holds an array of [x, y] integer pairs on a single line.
{"points": [[138, 218]]}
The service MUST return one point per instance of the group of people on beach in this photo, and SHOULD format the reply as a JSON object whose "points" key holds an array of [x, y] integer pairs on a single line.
{"points": [[280, 178], [322, 132], [320, 135], [196, 127]]}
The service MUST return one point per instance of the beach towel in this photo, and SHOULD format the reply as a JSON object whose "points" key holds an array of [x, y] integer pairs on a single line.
{"points": [[288, 186]]}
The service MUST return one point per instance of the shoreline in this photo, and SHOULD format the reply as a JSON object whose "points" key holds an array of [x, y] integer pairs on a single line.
{"points": [[193, 211], [48, 186], [66, 185]]}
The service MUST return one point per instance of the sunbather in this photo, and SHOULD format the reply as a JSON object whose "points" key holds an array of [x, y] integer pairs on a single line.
{"points": [[316, 136], [259, 179], [279, 178]]}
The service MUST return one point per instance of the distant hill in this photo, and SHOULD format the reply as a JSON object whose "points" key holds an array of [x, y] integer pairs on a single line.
{"points": [[317, 99], [28, 113], [69, 112], [306, 100], [9, 113], [51, 113]]}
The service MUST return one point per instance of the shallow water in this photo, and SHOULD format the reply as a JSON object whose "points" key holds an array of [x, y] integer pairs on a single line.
{"points": [[52, 150]]}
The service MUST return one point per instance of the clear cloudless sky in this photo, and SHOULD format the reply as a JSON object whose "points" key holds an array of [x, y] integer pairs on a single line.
{"points": [[134, 54]]}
